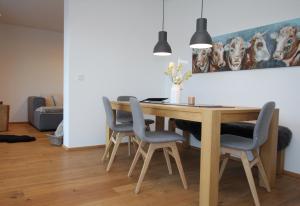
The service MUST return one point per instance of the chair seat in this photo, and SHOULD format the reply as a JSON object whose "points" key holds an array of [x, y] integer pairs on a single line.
{"points": [[161, 137], [236, 142], [129, 121], [128, 127], [124, 120]]}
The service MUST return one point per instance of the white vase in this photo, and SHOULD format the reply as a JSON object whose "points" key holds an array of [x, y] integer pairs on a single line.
{"points": [[175, 94]]}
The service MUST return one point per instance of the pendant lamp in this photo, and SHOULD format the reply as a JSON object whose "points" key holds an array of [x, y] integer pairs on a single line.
{"points": [[201, 38], [162, 48]]}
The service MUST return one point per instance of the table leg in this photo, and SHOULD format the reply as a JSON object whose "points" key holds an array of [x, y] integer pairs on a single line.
{"points": [[268, 152], [210, 158], [280, 162], [4, 117], [159, 123]]}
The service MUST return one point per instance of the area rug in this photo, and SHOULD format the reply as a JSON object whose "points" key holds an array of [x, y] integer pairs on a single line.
{"points": [[16, 138]]}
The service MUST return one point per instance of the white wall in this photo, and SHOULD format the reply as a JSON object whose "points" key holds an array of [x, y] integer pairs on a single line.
{"points": [[248, 88], [31, 63], [109, 45]]}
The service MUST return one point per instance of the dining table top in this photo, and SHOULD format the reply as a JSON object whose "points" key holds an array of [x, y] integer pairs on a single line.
{"points": [[185, 106], [193, 112]]}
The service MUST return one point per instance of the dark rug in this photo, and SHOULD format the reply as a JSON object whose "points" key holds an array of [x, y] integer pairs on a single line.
{"points": [[16, 138]]}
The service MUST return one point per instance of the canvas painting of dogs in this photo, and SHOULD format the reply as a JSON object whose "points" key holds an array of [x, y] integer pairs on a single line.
{"points": [[271, 46]]}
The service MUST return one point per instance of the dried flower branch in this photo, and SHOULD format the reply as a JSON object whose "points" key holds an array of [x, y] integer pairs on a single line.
{"points": [[175, 74]]}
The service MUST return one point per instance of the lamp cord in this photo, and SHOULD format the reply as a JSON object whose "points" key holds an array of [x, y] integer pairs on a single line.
{"points": [[201, 8], [163, 20]]}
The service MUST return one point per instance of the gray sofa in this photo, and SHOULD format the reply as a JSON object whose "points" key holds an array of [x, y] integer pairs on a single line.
{"points": [[41, 117]]}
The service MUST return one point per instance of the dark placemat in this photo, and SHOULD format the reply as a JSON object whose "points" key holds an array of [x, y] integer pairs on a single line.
{"points": [[189, 105]]}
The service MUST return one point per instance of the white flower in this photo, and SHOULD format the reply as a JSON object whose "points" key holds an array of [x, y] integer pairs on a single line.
{"points": [[171, 64], [175, 74]]}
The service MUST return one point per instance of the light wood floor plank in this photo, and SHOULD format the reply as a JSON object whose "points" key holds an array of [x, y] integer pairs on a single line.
{"points": [[38, 174]]}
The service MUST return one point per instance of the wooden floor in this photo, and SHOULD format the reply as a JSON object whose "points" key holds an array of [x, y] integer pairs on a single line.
{"points": [[37, 173]]}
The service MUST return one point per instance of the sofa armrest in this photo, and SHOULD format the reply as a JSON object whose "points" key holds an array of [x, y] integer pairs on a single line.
{"points": [[47, 121]]}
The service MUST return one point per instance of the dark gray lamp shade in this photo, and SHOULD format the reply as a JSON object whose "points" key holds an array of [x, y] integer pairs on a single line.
{"points": [[162, 48], [201, 38]]}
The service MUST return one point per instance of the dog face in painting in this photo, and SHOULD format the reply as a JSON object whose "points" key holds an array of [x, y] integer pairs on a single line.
{"points": [[259, 47], [287, 43], [236, 50], [217, 56], [202, 60], [257, 52]]}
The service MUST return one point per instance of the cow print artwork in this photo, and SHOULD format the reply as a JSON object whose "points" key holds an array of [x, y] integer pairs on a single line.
{"points": [[270, 46]]}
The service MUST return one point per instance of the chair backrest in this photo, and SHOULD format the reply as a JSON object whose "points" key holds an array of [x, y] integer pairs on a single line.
{"points": [[122, 116], [109, 113], [261, 129], [138, 118]]}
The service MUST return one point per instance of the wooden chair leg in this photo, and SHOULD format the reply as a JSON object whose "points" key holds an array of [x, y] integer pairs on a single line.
{"points": [[145, 167], [129, 146], [223, 165], [134, 144], [136, 158], [138, 141], [172, 125], [186, 143], [179, 165], [249, 175], [262, 171], [115, 149], [107, 148], [167, 157]]}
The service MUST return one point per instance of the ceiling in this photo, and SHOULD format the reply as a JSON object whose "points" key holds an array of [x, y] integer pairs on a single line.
{"points": [[40, 14]]}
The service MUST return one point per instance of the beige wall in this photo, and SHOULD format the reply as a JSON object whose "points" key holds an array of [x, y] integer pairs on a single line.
{"points": [[31, 63]]}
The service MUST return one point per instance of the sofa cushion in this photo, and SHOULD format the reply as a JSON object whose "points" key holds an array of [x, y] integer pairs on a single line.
{"points": [[50, 101], [50, 109]]}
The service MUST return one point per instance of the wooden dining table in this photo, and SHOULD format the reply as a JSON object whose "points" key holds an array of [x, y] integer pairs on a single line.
{"points": [[211, 117]]}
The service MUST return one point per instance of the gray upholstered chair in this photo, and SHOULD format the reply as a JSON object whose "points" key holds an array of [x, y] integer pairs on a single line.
{"points": [[165, 140], [119, 132], [125, 117], [240, 146]]}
